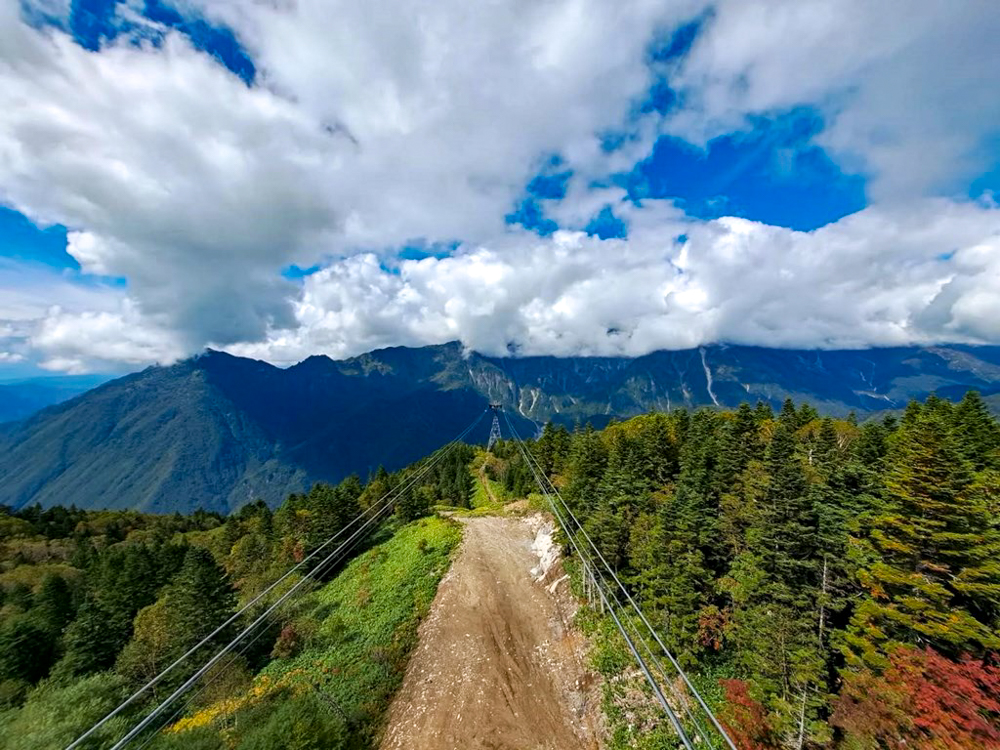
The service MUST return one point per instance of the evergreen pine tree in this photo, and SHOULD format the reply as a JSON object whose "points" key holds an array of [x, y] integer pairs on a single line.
{"points": [[763, 412], [788, 415], [933, 546], [774, 588], [200, 597], [544, 449], [738, 446], [588, 459], [978, 434], [53, 608], [620, 495], [660, 452], [197, 601], [92, 641], [25, 649]]}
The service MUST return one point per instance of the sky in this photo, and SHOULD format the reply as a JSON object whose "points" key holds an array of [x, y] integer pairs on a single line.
{"points": [[282, 178]]}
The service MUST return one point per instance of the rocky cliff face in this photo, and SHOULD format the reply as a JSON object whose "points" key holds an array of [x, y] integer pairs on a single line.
{"points": [[836, 382]]}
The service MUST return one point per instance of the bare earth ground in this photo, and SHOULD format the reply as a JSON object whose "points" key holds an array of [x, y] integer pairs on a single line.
{"points": [[498, 666]]}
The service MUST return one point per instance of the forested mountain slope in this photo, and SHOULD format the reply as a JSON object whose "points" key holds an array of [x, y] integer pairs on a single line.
{"points": [[843, 581], [217, 431]]}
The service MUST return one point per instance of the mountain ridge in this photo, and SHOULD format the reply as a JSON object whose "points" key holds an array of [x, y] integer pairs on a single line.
{"points": [[217, 430]]}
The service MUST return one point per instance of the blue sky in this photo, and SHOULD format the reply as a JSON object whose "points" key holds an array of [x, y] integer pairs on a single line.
{"points": [[283, 181]]}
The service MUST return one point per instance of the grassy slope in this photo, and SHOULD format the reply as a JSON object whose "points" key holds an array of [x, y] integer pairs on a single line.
{"points": [[360, 630]]}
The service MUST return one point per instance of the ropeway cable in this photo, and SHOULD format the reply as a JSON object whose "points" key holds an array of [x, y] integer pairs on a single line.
{"points": [[588, 560], [721, 730], [638, 609], [675, 722], [211, 662], [242, 650], [388, 502], [222, 670]]}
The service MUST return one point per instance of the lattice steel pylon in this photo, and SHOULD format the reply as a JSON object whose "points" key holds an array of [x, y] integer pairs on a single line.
{"points": [[495, 429]]}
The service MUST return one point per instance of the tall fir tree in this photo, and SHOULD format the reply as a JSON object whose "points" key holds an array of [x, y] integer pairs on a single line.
{"points": [[932, 567], [588, 459], [774, 589], [977, 433], [198, 600], [53, 607]]}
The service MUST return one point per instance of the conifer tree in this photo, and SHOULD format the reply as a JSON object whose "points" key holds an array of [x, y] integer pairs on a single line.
{"points": [[54, 604], [25, 649], [978, 434], [588, 459], [932, 575], [763, 412], [620, 494], [689, 522], [659, 449], [788, 416], [92, 640], [774, 589], [544, 450], [200, 597], [196, 602], [738, 446]]}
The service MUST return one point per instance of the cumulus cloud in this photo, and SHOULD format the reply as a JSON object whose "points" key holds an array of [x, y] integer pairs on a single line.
{"points": [[194, 187], [87, 341], [879, 277], [94, 326], [367, 128]]}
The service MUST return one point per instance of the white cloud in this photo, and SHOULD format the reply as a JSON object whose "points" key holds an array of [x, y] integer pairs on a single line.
{"points": [[367, 128], [94, 326], [373, 124], [88, 341], [908, 89], [880, 277]]}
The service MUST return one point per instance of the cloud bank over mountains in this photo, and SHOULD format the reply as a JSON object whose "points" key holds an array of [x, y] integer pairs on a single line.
{"points": [[370, 136]]}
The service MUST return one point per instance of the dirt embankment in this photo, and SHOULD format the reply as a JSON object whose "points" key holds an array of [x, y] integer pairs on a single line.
{"points": [[498, 666]]}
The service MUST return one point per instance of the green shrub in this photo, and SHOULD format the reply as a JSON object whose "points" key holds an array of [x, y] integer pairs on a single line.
{"points": [[302, 722], [55, 715]]}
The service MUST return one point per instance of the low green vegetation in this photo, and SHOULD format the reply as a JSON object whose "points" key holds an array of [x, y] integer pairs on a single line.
{"points": [[344, 651]]}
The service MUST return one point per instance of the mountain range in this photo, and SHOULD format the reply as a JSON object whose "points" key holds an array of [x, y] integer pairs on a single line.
{"points": [[217, 431]]}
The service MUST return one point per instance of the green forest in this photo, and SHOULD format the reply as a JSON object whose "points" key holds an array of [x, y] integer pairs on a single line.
{"points": [[833, 584], [840, 582]]}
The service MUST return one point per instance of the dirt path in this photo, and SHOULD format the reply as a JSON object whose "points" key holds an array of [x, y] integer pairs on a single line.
{"points": [[498, 667], [486, 485]]}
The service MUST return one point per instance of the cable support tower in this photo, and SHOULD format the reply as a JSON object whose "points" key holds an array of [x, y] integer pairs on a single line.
{"points": [[375, 513], [496, 408], [598, 576]]}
